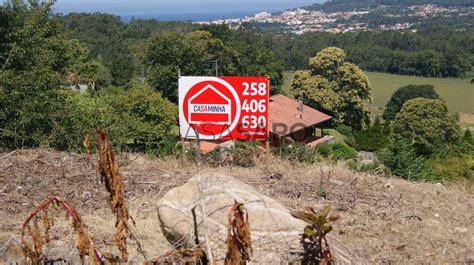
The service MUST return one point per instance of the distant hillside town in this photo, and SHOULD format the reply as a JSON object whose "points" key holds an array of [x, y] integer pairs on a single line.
{"points": [[303, 20]]}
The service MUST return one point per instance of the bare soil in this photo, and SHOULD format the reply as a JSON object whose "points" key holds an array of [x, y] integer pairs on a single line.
{"points": [[467, 120], [383, 219]]}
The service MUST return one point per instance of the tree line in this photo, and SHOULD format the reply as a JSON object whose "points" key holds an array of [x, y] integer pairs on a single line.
{"points": [[430, 52]]}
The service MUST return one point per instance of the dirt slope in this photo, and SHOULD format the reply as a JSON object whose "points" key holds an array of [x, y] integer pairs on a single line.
{"points": [[384, 220]]}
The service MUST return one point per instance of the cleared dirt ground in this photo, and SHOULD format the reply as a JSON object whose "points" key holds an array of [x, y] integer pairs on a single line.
{"points": [[383, 220]]}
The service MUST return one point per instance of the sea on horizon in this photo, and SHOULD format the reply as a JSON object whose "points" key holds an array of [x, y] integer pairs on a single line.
{"points": [[194, 17], [204, 10]]}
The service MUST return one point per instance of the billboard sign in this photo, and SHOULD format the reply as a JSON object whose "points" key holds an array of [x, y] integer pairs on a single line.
{"points": [[223, 108]]}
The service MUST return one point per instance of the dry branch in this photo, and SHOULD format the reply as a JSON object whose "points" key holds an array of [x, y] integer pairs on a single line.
{"points": [[239, 244], [9, 154], [180, 256]]}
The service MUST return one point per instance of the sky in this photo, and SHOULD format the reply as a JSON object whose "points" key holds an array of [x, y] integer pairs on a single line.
{"points": [[178, 9]]}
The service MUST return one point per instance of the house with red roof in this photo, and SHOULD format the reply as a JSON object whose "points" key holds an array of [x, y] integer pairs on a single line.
{"points": [[291, 119]]}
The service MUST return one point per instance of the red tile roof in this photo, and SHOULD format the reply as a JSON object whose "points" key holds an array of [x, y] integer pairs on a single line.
{"points": [[207, 147], [284, 110]]}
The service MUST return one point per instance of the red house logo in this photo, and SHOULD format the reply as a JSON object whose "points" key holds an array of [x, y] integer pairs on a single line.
{"points": [[223, 108], [209, 106]]}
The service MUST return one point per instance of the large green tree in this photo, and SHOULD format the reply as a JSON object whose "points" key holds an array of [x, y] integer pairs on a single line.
{"points": [[261, 62], [426, 125], [94, 74], [139, 114], [336, 87], [194, 53], [35, 58], [403, 94], [103, 35]]}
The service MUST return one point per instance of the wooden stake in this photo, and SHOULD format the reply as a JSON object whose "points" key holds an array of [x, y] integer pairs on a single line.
{"points": [[209, 255], [183, 150], [267, 150]]}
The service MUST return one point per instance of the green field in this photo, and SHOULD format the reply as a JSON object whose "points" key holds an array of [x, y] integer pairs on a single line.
{"points": [[287, 80], [458, 93]]}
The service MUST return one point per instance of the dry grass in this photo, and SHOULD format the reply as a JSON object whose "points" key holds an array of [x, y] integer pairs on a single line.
{"points": [[382, 219], [467, 120]]}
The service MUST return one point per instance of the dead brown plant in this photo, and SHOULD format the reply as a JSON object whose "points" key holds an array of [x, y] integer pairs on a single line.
{"points": [[33, 251], [239, 244], [107, 168]]}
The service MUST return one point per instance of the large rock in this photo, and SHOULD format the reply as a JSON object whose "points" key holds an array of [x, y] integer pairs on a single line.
{"points": [[275, 233]]}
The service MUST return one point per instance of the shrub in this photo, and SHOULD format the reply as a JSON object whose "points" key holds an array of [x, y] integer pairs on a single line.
{"points": [[299, 153], [342, 152], [138, 115], [324, 149], [243, 154], [403, 94], [450, 168], [336, 151], [426, 125], [79, 116], [467, 138], [401, 160], [373, 139], [344, 129]]}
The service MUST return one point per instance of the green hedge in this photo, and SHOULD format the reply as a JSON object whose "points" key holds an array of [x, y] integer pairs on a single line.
{"points": [[336, 151]]}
